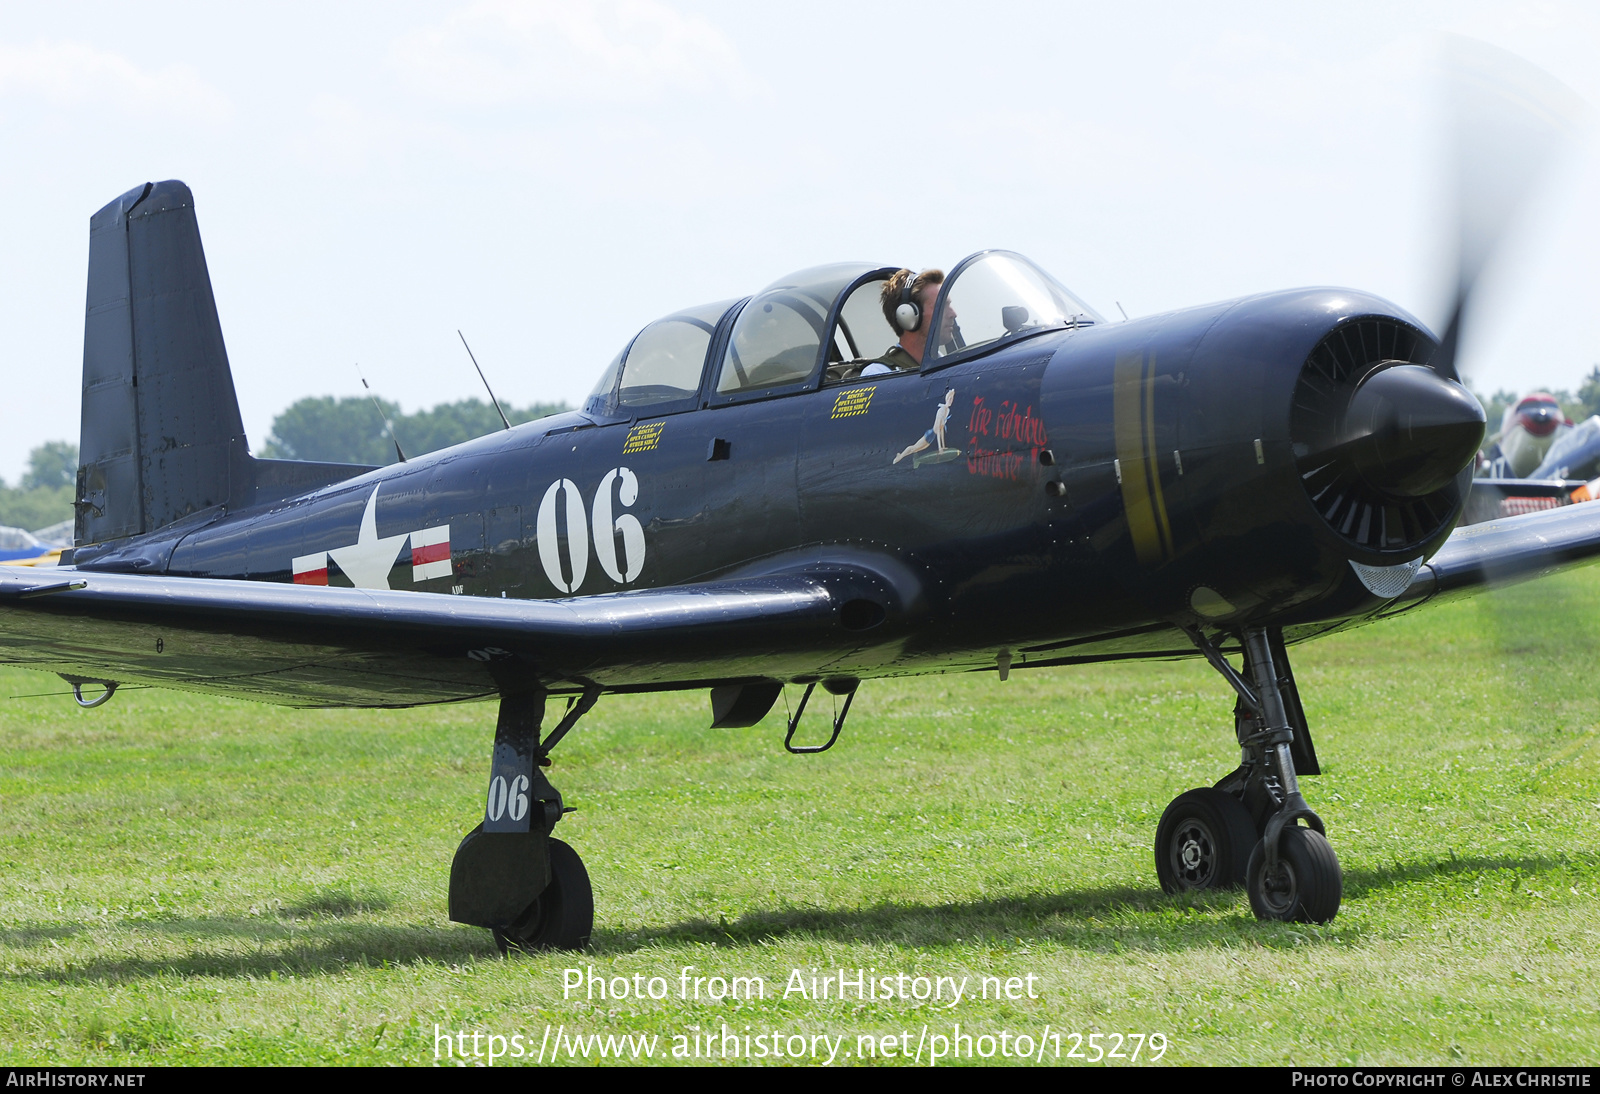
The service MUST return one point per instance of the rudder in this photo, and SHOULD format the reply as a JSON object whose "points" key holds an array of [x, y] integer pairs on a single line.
{"points": [[161, 432]]}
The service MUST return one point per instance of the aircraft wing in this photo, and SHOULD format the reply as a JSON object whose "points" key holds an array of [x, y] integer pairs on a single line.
{"points": [[305, 645], [316, 646], [1497, 552], [1510, 549]]}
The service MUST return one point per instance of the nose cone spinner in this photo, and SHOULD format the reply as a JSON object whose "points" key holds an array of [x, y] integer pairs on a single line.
{"points": [[1409, 431]]}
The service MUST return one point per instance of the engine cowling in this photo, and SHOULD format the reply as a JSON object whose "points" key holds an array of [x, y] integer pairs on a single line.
{"points": [[1250, 461]]}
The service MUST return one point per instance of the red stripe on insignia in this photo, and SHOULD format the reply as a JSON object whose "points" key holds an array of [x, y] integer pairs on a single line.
{"points": [[312, 577], [433, 552]]}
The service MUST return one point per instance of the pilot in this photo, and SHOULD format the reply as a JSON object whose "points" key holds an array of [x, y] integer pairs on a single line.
{"points": [[907, 302]]}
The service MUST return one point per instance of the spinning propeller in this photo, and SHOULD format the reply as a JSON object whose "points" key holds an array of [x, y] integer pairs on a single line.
{"points": [[1383, 428], [1509, 120]]}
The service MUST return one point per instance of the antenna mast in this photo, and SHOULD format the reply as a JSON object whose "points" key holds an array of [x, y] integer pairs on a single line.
{"points": [[485, 380], [387, 424]]}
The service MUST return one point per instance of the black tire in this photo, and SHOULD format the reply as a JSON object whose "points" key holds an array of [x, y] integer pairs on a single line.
{"points": [[563, 916], [1305, 888], [1203, 842]]}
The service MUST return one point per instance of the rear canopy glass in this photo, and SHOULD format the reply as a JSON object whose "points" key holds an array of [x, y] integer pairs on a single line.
{"points": [[663, 364], [777, 340]]}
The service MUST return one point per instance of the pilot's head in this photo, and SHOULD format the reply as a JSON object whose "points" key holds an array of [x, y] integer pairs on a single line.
{"points": [[908, 311]]}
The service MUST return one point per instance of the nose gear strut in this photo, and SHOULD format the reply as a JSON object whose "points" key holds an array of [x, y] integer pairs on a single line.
{"points": [[1208, 838]]}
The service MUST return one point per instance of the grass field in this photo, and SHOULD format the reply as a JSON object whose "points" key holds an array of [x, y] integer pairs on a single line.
{"points": [[194, 880]]}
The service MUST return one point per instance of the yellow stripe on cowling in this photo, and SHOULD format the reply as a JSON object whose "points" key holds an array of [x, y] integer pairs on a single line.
{"points": [[1152, 467], [1133, 424]]}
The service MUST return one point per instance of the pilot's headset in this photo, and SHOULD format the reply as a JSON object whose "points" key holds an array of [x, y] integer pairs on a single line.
{"points": [[908, 314]]}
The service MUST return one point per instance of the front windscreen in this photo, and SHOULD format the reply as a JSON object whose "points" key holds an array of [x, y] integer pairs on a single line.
{"points": [[999, 295]]}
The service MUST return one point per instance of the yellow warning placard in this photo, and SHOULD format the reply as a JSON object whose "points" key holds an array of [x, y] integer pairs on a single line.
{"points": [[642, 438], [853, 402]]}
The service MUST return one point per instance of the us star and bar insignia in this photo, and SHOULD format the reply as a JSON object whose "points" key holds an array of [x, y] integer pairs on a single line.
{"points": [[367, 561]]}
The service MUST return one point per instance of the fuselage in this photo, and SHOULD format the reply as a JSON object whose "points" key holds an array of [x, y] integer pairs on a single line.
{"points": [[1070, 495]]}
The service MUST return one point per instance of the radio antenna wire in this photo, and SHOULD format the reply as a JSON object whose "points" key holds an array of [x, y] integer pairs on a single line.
{"points": [[484, 378], [387, 424]]}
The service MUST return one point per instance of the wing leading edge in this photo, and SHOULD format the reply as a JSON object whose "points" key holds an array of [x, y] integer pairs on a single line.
{"points": [[309, 646], [1498, 552], [1508, 550]]}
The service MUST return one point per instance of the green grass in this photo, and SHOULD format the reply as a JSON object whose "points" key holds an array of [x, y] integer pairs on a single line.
{"points": [[192, 880]]}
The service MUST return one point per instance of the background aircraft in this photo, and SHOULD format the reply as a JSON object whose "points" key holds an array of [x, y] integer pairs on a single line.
{"points": [[1539, 460], [1528, 429], [736, 507]]}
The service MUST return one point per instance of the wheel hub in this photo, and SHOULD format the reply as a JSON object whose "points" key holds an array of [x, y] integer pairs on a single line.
{"points": [[1195, 854], [1278, 887]]}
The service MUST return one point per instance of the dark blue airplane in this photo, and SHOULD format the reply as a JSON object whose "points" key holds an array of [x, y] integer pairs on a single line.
{"points": [[750, 498]]}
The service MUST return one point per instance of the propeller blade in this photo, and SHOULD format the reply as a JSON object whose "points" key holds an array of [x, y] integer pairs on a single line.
{"points": [[1509, 120]]}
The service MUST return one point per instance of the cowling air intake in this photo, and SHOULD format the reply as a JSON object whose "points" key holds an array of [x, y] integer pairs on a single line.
{"points": [[1381, 440]]}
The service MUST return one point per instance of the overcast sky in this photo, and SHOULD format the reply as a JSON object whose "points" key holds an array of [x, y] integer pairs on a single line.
{"points": [[549, 177]]}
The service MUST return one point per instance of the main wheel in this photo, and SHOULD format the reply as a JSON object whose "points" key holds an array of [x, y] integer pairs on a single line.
{"points": [[563, 916], [1203, 841], [1304, 887]]}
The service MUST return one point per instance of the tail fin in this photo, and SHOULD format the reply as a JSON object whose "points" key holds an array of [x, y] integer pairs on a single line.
{"points": [[162, 436]]}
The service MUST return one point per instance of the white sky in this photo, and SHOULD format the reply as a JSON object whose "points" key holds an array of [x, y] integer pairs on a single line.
{"points": [[550, 176]]}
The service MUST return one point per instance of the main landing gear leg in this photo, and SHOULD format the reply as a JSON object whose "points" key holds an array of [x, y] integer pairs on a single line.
{"points": [[509, 874], [1207, 838]]}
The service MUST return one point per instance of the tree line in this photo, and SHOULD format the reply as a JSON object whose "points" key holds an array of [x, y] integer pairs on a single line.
{"points": [[352, 430], [44, 495], [325, 429]]}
